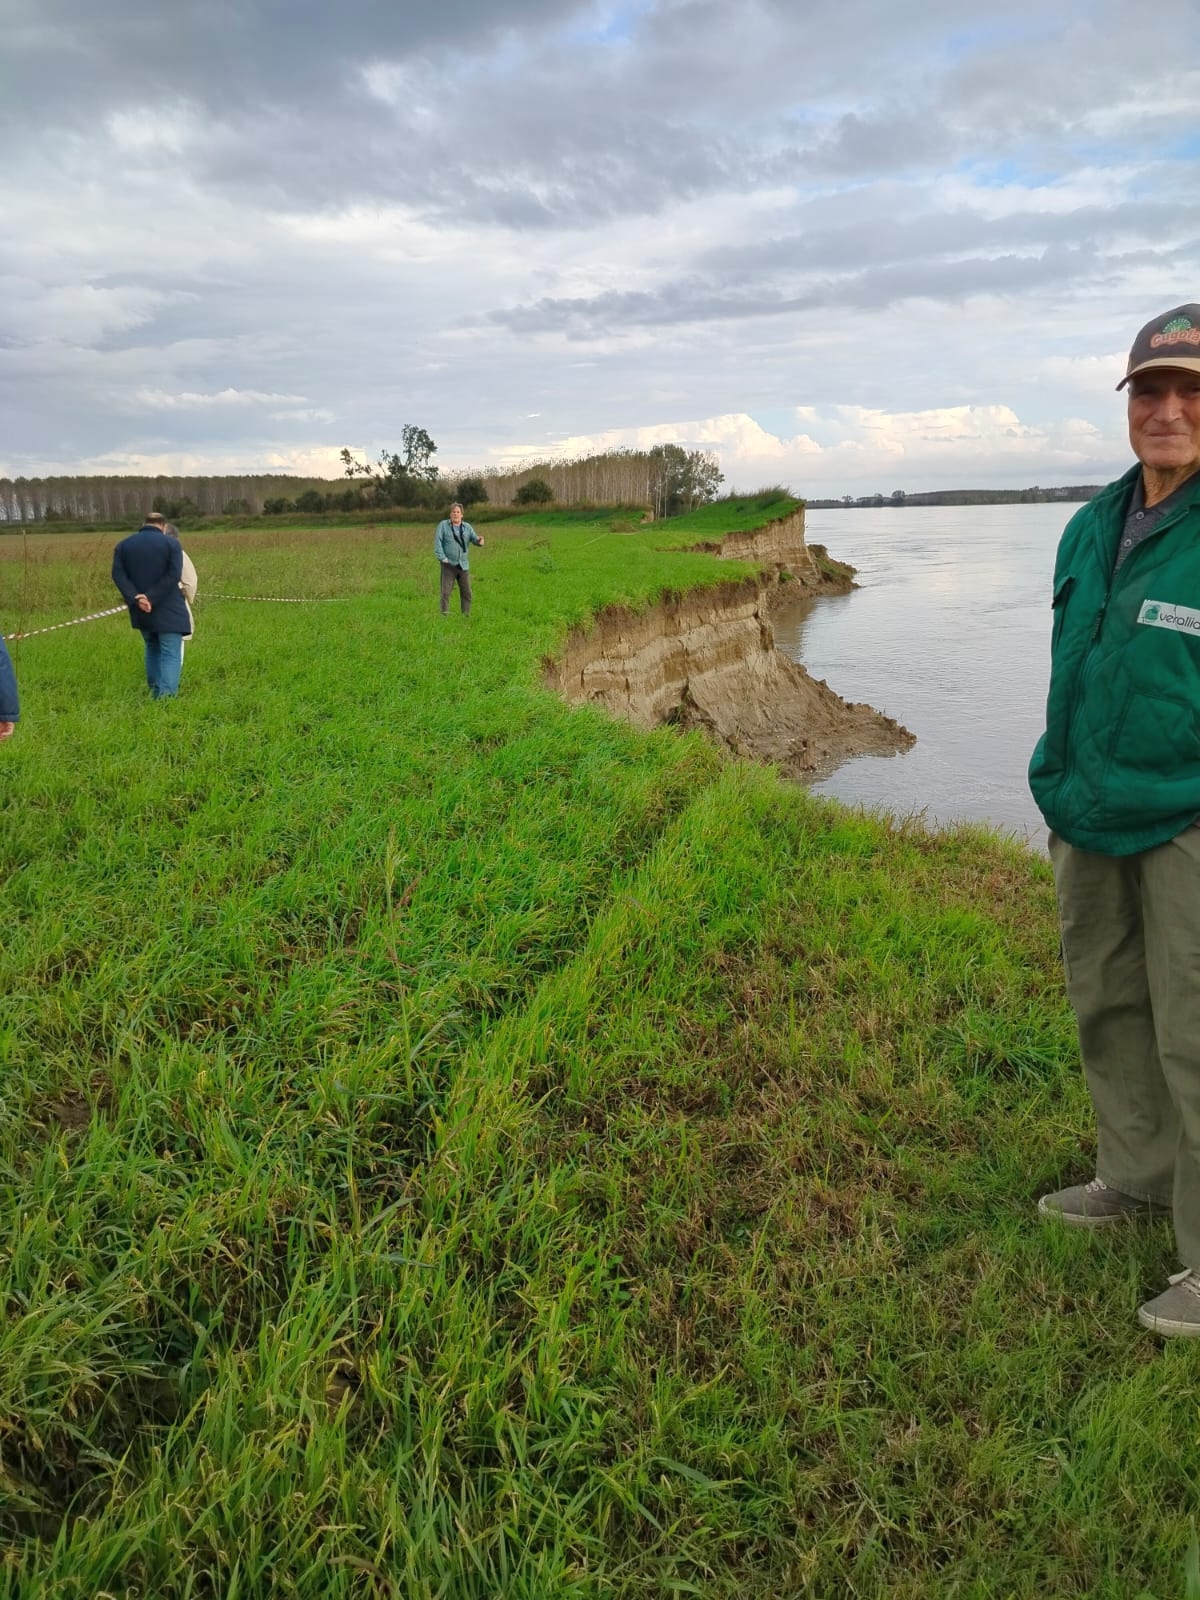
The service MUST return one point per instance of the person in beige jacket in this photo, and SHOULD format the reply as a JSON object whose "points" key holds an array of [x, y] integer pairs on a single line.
{"points": [[188, 580]]}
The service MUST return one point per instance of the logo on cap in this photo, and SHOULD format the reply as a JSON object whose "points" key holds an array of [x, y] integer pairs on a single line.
{"points": [[1178, 331]]}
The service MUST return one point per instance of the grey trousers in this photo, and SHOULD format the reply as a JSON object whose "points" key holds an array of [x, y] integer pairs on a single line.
{"points": [[450, 576], [1131, 951]]}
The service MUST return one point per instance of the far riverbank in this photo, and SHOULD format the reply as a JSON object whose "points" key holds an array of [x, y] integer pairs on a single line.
{"points": [[899, 499]]}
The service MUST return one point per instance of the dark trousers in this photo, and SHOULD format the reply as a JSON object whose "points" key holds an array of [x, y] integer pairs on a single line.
{"points": [[452, 575]]}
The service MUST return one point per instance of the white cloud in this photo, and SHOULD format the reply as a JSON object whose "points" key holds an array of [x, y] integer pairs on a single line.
{"points": [[78, 313], [161, 400], [855, 447], [303, 414], [318, 461], [1093, 376], [164, 128]]}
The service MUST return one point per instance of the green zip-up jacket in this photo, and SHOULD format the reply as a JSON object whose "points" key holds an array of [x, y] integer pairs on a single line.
{"points": [[1118, 768]]}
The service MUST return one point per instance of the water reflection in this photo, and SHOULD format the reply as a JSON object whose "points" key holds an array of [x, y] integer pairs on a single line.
{"points": [[949, 633]]}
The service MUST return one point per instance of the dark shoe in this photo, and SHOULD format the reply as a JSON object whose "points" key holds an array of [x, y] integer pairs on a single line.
{"points": [[1175, 1314], [1095, 1205]]}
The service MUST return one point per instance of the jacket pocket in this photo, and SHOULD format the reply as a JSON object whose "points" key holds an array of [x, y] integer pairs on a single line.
{"points": [[1059, 608], [1153, 770]]}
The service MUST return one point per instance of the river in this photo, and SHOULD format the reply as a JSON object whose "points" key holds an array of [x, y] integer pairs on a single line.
{"points": [[948, 632]]}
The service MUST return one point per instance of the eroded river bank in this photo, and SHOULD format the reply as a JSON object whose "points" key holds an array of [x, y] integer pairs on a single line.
{"points": [[708, 659]]}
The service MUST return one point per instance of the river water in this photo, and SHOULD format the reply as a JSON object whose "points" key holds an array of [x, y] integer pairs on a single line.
{"points": [[948, 632]]}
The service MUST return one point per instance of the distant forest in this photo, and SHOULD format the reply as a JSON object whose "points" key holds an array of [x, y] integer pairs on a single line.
{"points": [[665, 479], [128, 496], [961, 497]]}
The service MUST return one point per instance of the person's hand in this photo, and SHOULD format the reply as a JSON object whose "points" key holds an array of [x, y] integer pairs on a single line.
{"points": [[481, 540], [7, 729], [142, 603]]}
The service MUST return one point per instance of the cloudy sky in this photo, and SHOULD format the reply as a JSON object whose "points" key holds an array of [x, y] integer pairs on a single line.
{"points": [[850, 245]]}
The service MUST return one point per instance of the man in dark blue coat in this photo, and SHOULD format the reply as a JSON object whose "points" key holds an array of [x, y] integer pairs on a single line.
{"points": [[146, 569]]}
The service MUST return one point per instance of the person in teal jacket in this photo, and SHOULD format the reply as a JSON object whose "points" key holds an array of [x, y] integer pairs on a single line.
{"points": [[1117, 777], [450, 545]]}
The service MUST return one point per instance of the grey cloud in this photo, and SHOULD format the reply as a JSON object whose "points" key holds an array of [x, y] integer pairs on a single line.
{"points": [[1093, 64], [513, 117], [504, 175], [136, 53], [871, 289], [927, 235], [518, 128], [887, 142]]}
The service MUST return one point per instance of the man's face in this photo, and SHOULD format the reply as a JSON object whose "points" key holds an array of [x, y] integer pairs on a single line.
{"points": [[456, 515], [1164, 418]]}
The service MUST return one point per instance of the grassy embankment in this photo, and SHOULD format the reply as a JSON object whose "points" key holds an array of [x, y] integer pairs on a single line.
{"points": [[456, 1146]]}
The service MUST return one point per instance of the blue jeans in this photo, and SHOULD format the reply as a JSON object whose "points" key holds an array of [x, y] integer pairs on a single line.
{"points": [[164, 663]]}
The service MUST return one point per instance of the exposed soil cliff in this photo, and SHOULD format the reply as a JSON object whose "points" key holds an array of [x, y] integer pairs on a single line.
{"points": [[777, 546], [707, 659]]}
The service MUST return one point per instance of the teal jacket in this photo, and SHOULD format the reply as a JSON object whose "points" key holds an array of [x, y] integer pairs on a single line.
{"points": [[1118, 768], [452, 547]]}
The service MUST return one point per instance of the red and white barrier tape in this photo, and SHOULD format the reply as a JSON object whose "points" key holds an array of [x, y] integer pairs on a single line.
{"points": [[74, 623], [281, 599], [114, 611]]}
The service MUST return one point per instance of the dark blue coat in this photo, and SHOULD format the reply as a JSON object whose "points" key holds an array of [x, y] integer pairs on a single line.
{"points": [[150, 562], [9, 709]]}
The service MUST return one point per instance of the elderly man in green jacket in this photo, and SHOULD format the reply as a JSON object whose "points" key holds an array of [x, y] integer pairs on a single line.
{"points": [[1117, 777]]}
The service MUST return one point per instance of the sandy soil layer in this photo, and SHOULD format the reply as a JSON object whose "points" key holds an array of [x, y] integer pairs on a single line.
{"points": [[707, 659]]}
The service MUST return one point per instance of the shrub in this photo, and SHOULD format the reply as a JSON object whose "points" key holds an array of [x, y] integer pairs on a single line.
{"points": [[471, 492], [183, 510], [537, 492]]}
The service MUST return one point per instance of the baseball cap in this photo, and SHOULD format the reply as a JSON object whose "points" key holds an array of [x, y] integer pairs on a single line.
{"points": [[1171, 339]]}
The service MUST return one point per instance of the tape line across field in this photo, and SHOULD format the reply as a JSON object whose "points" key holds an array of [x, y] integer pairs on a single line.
{"points": [[113, 611]]}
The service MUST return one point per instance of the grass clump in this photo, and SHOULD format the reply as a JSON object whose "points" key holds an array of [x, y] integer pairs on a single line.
{"points": [[457, 1146]]}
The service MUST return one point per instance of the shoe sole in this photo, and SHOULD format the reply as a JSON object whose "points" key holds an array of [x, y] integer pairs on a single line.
{"points": [[1077, 1219], [1168, 1327]]}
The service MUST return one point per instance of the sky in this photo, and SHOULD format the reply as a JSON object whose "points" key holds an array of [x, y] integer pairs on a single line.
{"points": [[849, 246]]}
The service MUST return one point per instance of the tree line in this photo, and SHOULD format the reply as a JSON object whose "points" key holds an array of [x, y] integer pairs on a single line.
{"points": [[120, 498], [665, 479]]}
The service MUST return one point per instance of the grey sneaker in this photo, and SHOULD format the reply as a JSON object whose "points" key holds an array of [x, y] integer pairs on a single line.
{"points": [[1095, 1205], [1175, 1313]]}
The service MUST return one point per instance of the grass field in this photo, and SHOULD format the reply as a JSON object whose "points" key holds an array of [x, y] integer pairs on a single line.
{"points": [[455, 1146]]}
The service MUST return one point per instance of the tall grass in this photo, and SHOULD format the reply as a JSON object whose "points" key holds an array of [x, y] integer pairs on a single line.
{"points": [[457, 1146]]}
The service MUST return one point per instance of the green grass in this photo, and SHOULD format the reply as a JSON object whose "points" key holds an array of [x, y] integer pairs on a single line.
{"points": [[456, 1146], [733, 514]]}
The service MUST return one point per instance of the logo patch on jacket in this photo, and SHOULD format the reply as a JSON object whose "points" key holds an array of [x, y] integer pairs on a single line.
{"points": [[1162, 614]]}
